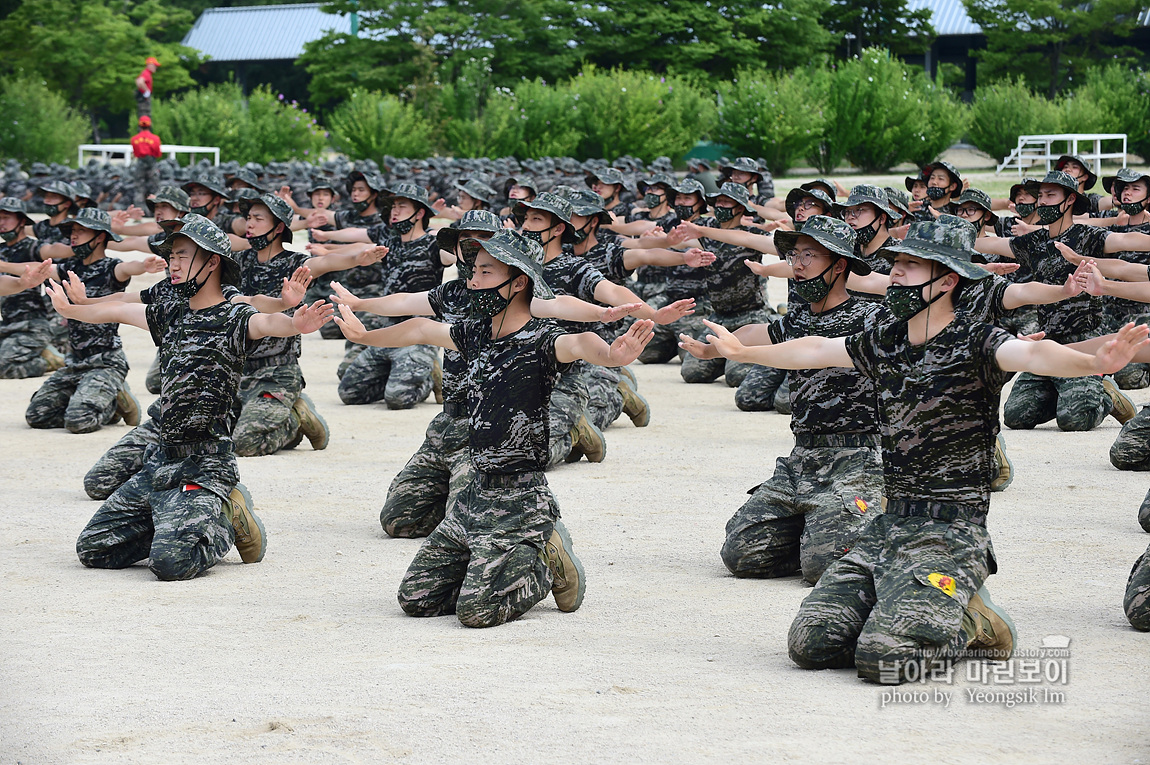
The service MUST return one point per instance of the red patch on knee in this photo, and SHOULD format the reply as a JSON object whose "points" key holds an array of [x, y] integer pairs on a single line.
{"points": [[192, 486]]}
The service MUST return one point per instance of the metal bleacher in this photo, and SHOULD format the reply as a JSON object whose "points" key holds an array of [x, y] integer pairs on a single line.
{"points": [[1045, 149]]}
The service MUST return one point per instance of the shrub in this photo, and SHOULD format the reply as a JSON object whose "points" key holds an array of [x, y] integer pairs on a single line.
{"points": [[36, 123], [262, 128], [369, 125], [879, 110], [946, 121], [496, 131], [776, 116], [1005, 110], [1114, 99], [549, 115]]}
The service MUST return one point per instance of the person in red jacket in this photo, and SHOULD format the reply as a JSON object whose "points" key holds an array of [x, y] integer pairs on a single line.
{"points": [[144, 87], [146, 149]]}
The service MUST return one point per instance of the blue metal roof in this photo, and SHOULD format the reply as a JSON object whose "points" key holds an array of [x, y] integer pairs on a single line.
{"points": [[949, 17], [261, 33]]}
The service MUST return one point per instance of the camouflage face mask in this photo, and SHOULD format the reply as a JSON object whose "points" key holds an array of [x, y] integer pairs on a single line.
{"points": [[359, 207], [404, 226], [652, 200], [261, 242], [86, 248], [906, 301], [1048, 214], [8, 236], [1131, 208], [936, 193], [488, 302], [815, 289], [1024, 209], [724, 214]]}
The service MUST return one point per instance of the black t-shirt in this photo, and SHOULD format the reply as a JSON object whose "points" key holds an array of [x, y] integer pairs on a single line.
{"points": [[570, 274], [450, 304], [982, 299], [99, 279], [202, 356], [49, 234], [412, 266], [27, 304], [1080, 316], [509, 383], [258, 278], [731, 286], [836, 400], [938, 408]]}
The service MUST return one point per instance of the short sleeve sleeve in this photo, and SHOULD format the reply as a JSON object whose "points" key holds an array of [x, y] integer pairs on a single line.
{"points": [[158, 315], [863, 351], [986, 344]]}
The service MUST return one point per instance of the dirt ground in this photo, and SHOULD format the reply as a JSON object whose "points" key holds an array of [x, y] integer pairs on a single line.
{"points": [[306, 657]]}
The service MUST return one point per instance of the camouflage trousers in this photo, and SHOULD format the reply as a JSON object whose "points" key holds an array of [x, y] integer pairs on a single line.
{"points": [[896, 598], [144, 171], [570, 399], [123, 460], [604, 401], [484, 562], [708, 370], [399, 376], [1076, 403], [809, 513], [1131, 450], [441, 467], [1144, 513], [58, 327], [172, 512], [152, 380], [759, 390], [1137, 600], [267, 423], [80, 397], [320, 289], [664, 344], [351, 351], [21, 343]]}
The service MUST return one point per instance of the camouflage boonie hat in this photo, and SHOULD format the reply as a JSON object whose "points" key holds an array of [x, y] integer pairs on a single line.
{"points": [[744, 164], [207, 236], [1091, 176], [414, 193], [208, 182], [827, 186], [1066, 181], [899, 201], [951, 170], [949, 240], [1114, 183], [656, 180], [177, 198], [93, 219], [794, 196], [14, 205], [736, 192], [588, 204], [551, 203], [477, 189], [974, 196], [831, 233], [58, 187], [374, 182], [279, 208], [321, 184], [472, 220], [83, 191], [525, 181], [863, 194], [242, 194], [244, 175], [922, 177], [515, 250], [608, 175], [1021, 186], [662, 165], [691, 186]]}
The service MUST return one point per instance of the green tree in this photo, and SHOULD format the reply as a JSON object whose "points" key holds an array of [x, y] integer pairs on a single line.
{"points": [[91, 50], [886, 23], [36, 124], [1050, 42]]}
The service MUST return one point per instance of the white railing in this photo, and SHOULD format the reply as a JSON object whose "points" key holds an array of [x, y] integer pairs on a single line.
{"points": [[1033, 149], [122, 152]]}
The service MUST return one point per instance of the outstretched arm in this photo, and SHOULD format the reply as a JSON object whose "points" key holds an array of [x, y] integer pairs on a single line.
{"points": [[307, 319], [1049, 359], [570, 308], [1111, 268], [340, 235], [749, 334], [126, 269], [734, 236], [97, 313], [994, 245], [803, 353], [1127, 242], [397, 304], [659, 256], [588, 346], [417, 331], [1038, 293], [33, 276], [617, 295], [323, 264]]}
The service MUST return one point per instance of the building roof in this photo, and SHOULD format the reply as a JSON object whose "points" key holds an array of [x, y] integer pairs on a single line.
{"points": [[263, 32], [949, 17]]}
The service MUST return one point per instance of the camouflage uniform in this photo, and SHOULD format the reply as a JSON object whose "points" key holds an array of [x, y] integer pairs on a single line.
{"points": [[1078, 403], [829, 488], [25, 327], [82, 396], [363, 281], [1137, 600], [761, 388], [125, 458], [175, 510], [736, 296], [399, 376], [272, 378], [485, 561]]}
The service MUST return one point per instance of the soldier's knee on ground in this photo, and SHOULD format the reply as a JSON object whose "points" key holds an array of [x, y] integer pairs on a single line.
{"points": [[414, 603], [734, 373], [406, 396], [1021, 416], [1078, 420], [696, 370], [1136, 603], [401, 523], [1133, 376], [756, 560], [811, 645], [173, 565], [884, 658], [1129, 451], [98, 484], [660, 350], [1144, 513]]}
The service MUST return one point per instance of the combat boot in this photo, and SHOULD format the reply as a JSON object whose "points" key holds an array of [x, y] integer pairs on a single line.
{"points": [[437, 380], [634, 405], [310, 423], [52, 360], [251, 539], [569, 581], [626, 373], [587, 441], [989, 629], [1122, 408], [1005, 474], [127, 406]]}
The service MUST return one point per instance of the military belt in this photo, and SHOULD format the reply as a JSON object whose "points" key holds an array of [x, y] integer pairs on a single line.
{"points": [[510, 480], [837, 440], [947, 512], [455, 408], [279, 360], [180, 451]]}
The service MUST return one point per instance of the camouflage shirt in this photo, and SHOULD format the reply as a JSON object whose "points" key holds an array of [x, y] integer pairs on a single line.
{"points": [[352, 219], [99, 279], [258, 278], [836, 400], [570, 274], [202, 356], [1120, 307], [224, 219], [607, 256], [1080, 316], [982, 299], [28, 304], [938, 408], [412, 266], [731, 286], [450, 304], [49, 234], [508, 389]]}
